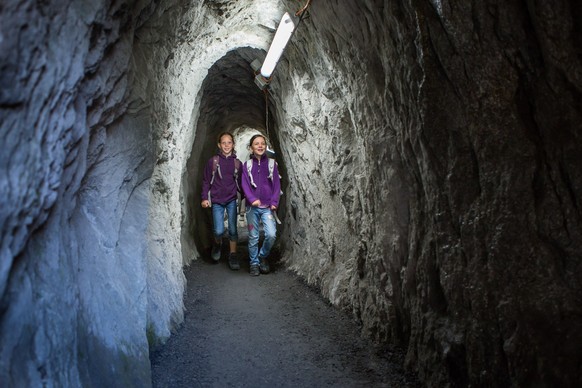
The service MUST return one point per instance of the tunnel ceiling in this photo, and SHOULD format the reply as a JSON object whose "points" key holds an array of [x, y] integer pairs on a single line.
{"points": [[230, 97]]}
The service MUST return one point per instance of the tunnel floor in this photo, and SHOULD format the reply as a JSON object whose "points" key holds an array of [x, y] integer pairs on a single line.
{"points": [[267, 331]]}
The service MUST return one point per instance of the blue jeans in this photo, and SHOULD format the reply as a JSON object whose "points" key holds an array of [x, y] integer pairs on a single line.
{"points": [[254, 216], [218, 220]]}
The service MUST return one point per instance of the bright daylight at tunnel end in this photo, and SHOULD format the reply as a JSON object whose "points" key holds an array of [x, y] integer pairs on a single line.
{"points": [[431, 162]]}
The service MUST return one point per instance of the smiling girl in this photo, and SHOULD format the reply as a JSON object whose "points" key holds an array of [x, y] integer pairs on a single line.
{"points": [[261, 187], [220, 185]]}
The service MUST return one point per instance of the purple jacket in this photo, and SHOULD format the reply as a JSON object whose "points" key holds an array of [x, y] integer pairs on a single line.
{"points": [[223, 189], [267, 191]]}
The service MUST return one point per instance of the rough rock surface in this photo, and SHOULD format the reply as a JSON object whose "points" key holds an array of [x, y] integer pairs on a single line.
{"points": [[443, 206], [431, 155], [73, 198]]}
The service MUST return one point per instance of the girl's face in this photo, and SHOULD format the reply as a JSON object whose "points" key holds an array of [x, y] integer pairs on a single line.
{"points": [[259, 146], [226, 145]]}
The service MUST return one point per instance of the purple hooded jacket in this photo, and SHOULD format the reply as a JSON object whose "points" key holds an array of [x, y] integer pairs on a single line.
{"points": [[223, 189], [267, 191]]}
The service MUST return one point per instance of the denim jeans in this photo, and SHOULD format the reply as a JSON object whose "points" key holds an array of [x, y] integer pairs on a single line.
{"points": [[218, 220], [256, 215]]}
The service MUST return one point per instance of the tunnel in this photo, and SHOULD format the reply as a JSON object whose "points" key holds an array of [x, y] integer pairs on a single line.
{"points": [[430, 152], [230, 102]]}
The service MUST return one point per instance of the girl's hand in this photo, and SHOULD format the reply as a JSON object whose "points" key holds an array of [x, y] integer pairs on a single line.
{"points": [[256, 203], [205, 203], [273, 207]]}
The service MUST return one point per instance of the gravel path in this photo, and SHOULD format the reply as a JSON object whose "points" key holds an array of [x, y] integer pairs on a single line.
{"points": [[267, 331]]}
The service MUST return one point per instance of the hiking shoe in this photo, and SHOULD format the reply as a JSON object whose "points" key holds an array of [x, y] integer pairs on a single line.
{"points": [[215, 252], [233, 262], [254, 271], [264, 265]]}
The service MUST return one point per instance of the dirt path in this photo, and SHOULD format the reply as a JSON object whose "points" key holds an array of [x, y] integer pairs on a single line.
{"points": [[266, 331]]}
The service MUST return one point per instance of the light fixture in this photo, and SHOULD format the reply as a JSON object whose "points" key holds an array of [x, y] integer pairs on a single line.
{"points": [[282, 36], [285, 30]]}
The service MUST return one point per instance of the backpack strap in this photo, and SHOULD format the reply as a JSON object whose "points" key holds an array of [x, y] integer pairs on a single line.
{"points": [[236, 169], [271, 168], [249, 167], [215, 167]]}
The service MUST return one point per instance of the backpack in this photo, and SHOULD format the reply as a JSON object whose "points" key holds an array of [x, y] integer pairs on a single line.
{"points": [[216, 167], [249, 167]]}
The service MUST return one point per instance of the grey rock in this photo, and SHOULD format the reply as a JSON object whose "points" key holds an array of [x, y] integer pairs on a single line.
{"points": [[430, 154]]}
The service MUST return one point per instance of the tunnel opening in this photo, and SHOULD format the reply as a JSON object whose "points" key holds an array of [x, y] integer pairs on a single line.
{"points": [[229, 101]]}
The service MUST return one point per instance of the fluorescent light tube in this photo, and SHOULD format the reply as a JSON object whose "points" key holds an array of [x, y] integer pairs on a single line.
{"points": [[282, 36]]}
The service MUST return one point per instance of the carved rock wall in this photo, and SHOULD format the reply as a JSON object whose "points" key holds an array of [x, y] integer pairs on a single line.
{"points": [[73, 197], [430, 153], [433, 152]]}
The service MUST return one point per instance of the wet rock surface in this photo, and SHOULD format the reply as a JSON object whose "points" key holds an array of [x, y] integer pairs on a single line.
{"points": [[267, 331]]}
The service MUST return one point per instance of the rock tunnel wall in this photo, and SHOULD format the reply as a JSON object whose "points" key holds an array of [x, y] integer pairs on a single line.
{"points": [[431, 153], [442, 208], [74, 197]]}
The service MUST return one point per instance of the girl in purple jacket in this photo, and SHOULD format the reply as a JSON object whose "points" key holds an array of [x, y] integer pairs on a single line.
{"points": [[261, 188], [220, 185]]}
